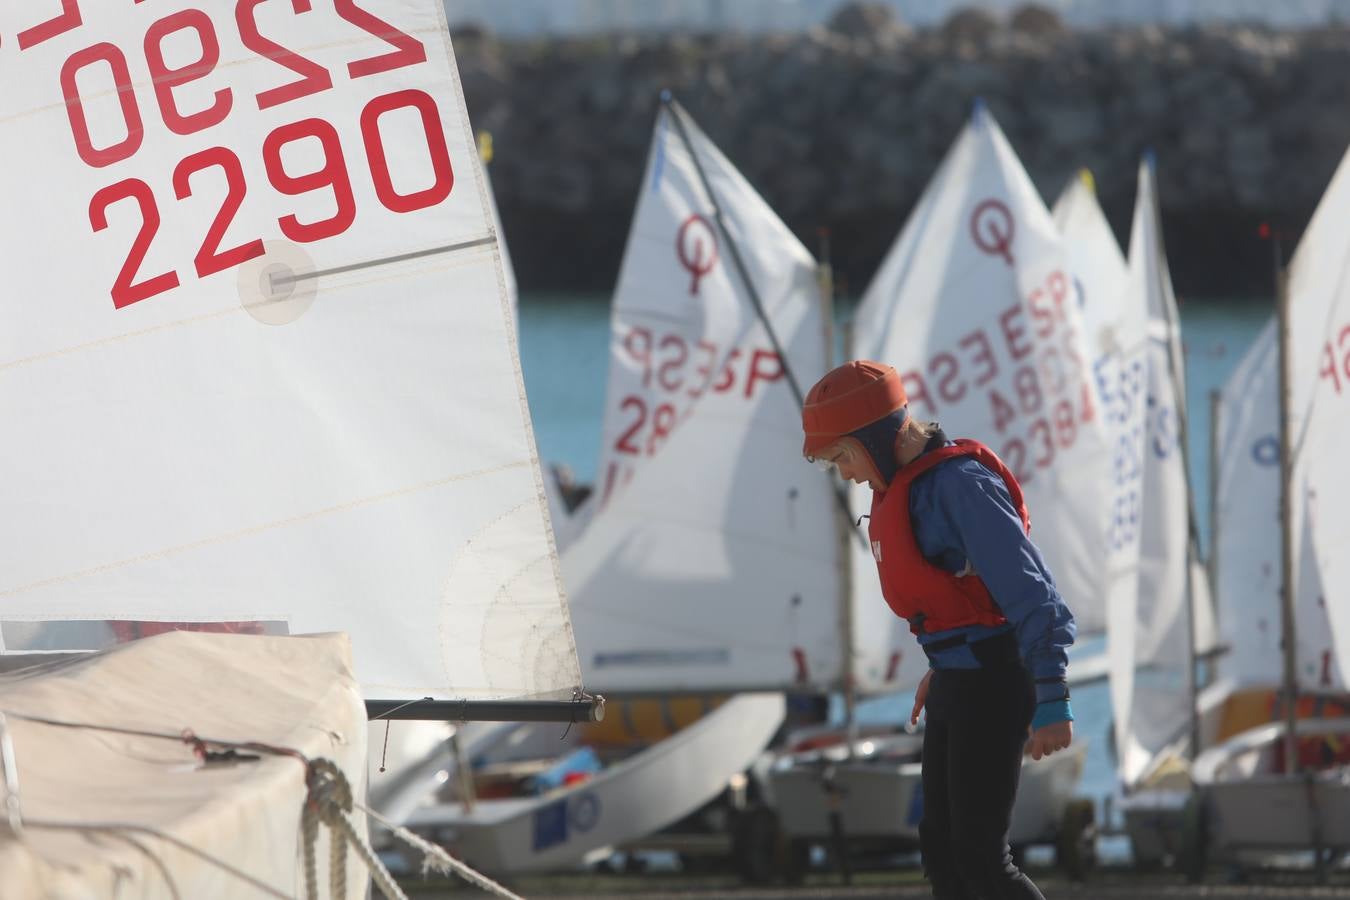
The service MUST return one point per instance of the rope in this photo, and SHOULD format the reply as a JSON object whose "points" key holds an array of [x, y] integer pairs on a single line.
{"points": [[328, 802], [309, 834], [378, 873], [437, 859], [337, 865]]}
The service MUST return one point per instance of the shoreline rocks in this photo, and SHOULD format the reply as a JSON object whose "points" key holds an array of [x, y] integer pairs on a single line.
{"points": [[842, 127]]}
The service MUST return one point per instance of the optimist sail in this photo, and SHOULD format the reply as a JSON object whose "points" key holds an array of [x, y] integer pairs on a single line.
{"points": [[1318, 357], [710, 560], [1114, 339], [256, 358], [1247, 536], [1151, 634], [974, 305]]}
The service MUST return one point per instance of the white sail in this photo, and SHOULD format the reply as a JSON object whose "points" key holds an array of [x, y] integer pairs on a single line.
{"points": [[1149, 633], [1319, 419], [1247, 535], [974, 305], [1113, 338], [258, 348], [485, 153], [710, 560]]}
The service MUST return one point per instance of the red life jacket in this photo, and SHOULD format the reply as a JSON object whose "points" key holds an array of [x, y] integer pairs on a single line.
{"points": [[930, 598]]}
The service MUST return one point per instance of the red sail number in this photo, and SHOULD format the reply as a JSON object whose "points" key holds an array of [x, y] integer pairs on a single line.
{"points": [[125, 291], [313, 77]]}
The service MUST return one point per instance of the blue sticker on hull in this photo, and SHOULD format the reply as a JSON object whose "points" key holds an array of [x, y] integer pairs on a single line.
{"points": [[555, 822], [550, 825]]}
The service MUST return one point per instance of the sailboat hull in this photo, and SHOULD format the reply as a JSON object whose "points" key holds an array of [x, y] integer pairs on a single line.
{"points": [[883, 800], [621, 804], [1246, 806]]}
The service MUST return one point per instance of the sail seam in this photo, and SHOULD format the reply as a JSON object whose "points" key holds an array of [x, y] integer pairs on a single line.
{"points": [[259, 529]]}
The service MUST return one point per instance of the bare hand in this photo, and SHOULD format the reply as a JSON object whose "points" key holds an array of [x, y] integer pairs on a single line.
{"points": [[920, 697], [1049, 738]]}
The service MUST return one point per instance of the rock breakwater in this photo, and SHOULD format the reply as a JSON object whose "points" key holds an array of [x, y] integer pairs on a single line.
{"points": [[843, 125]]}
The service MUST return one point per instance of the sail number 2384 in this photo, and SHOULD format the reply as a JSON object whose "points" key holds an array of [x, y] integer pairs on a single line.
{"points": [[298, 77]]}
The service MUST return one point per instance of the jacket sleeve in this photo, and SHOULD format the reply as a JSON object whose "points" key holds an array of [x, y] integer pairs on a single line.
{"points": [[980, 511]]}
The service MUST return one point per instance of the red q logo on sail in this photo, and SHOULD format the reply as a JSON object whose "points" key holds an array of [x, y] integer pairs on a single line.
{"points": [[696, 248], [991, 225]]}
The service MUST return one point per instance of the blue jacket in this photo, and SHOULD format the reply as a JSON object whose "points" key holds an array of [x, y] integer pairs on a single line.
{"points": [[962, 514]]}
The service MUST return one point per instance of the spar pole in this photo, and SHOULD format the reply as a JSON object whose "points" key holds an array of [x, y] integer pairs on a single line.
{"points": [[1288, 627], [584, 708], [1212, 558], [844, 521]]}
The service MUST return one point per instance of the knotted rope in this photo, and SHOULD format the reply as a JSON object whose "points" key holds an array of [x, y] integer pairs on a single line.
{"points": [[328, 803], [435, 858]]}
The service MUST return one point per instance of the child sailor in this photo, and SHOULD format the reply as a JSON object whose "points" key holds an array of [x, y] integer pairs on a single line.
{"points": [[950, 534]]}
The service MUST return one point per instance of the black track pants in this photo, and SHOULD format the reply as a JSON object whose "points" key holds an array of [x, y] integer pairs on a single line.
{"points": [[972, 756]]}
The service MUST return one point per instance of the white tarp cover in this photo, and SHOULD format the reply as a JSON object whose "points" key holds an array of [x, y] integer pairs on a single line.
{"points": [[1247, 542], [1149, 631], [974, 305], [1114, 342], [330, 436], [292, 692], [710, 560], [1319, 416]]}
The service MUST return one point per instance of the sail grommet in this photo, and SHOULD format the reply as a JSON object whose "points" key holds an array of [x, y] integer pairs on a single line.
{"points": [[278, 287]]}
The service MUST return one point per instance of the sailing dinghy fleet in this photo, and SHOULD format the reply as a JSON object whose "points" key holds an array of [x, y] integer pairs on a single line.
{"points": [[261, 358]]}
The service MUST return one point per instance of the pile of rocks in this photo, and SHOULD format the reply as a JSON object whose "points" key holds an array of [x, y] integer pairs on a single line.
{"points": [[843, 125]]}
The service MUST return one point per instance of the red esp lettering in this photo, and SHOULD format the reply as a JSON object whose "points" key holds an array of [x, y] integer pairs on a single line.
{"points": [[948, 374], [675, 364], [1012, 334], [917, 392], [728, 378], [637, 343], [703, 374], [758, 374], [985, 355]]}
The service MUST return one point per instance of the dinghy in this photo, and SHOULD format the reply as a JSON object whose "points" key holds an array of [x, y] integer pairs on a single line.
{"points": [[974, 305], [708, 562], [1098, 272], [1160, 615], [257, 345], [1278, 777]]}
